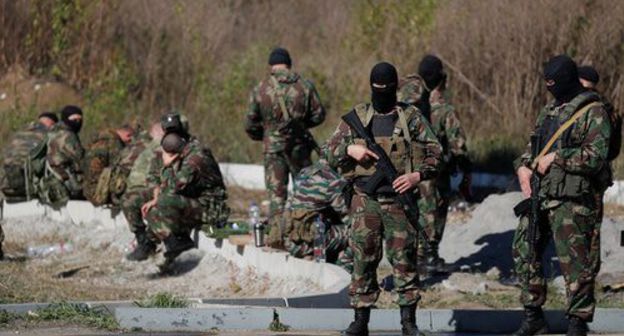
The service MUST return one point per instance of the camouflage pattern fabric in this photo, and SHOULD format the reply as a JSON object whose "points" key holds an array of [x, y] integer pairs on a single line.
{"points": [[131, 203], [374, 222], [286, 149], [64, 160], [16, 184], [572, 193], [124, 163], [445, 123], [100, 154], [189, 189], [318, 190]]}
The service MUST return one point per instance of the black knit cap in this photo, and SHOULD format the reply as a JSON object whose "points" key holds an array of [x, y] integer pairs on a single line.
{"points": [[50, 115], [70, 110], [431, 70], [384, 77], [589, 73], [280, 56]]}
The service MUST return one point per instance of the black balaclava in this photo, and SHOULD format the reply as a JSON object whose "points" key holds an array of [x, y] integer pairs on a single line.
{"points": [[384, 81], [588, 73], [280, 56], [69, 110], [562, 70], [431, 71]]}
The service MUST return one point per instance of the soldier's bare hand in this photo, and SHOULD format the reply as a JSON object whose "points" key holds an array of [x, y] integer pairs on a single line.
{"points": [[360, 153], [406, 182], [168, 158], [147, 207], [524, 177], [545, 162]]}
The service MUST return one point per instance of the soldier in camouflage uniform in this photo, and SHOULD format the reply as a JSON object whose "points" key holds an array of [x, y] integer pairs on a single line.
{"points": [[100, 157], [430, 83], [16, 184], [191, 185], [318, 192], [139, 187], [573, 171], [282, 108], [64, 154], [377, 217]]}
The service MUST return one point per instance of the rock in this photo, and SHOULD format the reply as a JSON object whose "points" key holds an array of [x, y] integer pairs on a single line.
{"points": [[493, 274], [559, 284], [465, 283]]}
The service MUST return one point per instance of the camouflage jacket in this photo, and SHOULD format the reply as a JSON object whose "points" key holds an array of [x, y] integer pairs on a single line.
{"points": [[443, 119], [64, 153], [265, 120], [421, 134], [103, 152], [580, 166], [23, 142], [195, 174], [318, 187], [145, 171], [130, 153]]}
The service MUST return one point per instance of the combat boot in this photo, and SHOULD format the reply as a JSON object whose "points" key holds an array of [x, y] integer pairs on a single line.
{"points": [[435, 264], [1, 253], [144, 249], [359, 326], [534, 323], [176, 244], [408, 321], [577, 327]]}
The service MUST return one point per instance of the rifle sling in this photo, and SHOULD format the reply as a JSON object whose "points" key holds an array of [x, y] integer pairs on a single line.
{"points": [[560, 131]]}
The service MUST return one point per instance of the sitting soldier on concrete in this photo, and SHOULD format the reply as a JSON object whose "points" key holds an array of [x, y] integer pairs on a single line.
{"points": [[318, 193], [16, 183], [59, 178], [100, 157], [191, 183]]}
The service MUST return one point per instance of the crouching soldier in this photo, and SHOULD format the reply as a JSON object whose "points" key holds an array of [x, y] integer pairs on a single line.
{"points": [[318, 194], [100, 156], [191, 194]]}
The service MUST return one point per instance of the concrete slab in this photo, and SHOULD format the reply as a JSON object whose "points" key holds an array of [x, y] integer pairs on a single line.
{"points": [[446, 321]]}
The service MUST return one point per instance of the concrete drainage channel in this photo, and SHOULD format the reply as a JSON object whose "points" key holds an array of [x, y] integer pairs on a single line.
{"points": [[323, 310]]}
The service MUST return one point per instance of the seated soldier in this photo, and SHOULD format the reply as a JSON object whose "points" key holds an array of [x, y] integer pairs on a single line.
{"points": [[62, 179], [191, 183], [318, 193], [143, 178], [16, 186], [100, 156]]}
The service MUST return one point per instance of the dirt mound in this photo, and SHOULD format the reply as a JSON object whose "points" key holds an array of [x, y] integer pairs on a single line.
{"points": [[96, 254], [20, 91]]}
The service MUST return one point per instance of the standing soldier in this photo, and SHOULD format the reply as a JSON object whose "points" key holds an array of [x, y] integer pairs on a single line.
{"points": [[100, 156], [16, 183], [318, 194], [574, 132], [191, 187], [430, 84], [282, 109], [407, 138], [64, 153]]}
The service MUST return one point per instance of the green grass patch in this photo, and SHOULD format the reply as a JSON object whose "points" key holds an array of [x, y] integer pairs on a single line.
{"points": [[98, 317], [163, 300]]}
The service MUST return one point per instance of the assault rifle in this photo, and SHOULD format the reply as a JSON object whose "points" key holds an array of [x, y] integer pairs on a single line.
{"points": [[531, 206], [386, 171]]}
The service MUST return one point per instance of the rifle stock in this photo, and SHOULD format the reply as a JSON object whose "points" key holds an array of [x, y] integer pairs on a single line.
{"points": [[385, 171]]}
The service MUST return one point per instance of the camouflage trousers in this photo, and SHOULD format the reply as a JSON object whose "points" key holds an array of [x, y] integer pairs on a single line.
{"points": [[372, 224], [174, 214], [575, 228], [433, 208], [278, 167], [131, 203], [304, 231]]}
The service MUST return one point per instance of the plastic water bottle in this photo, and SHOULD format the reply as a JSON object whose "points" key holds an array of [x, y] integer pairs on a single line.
{"points": [[46, 250], [319, 239], [254, 216]]}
